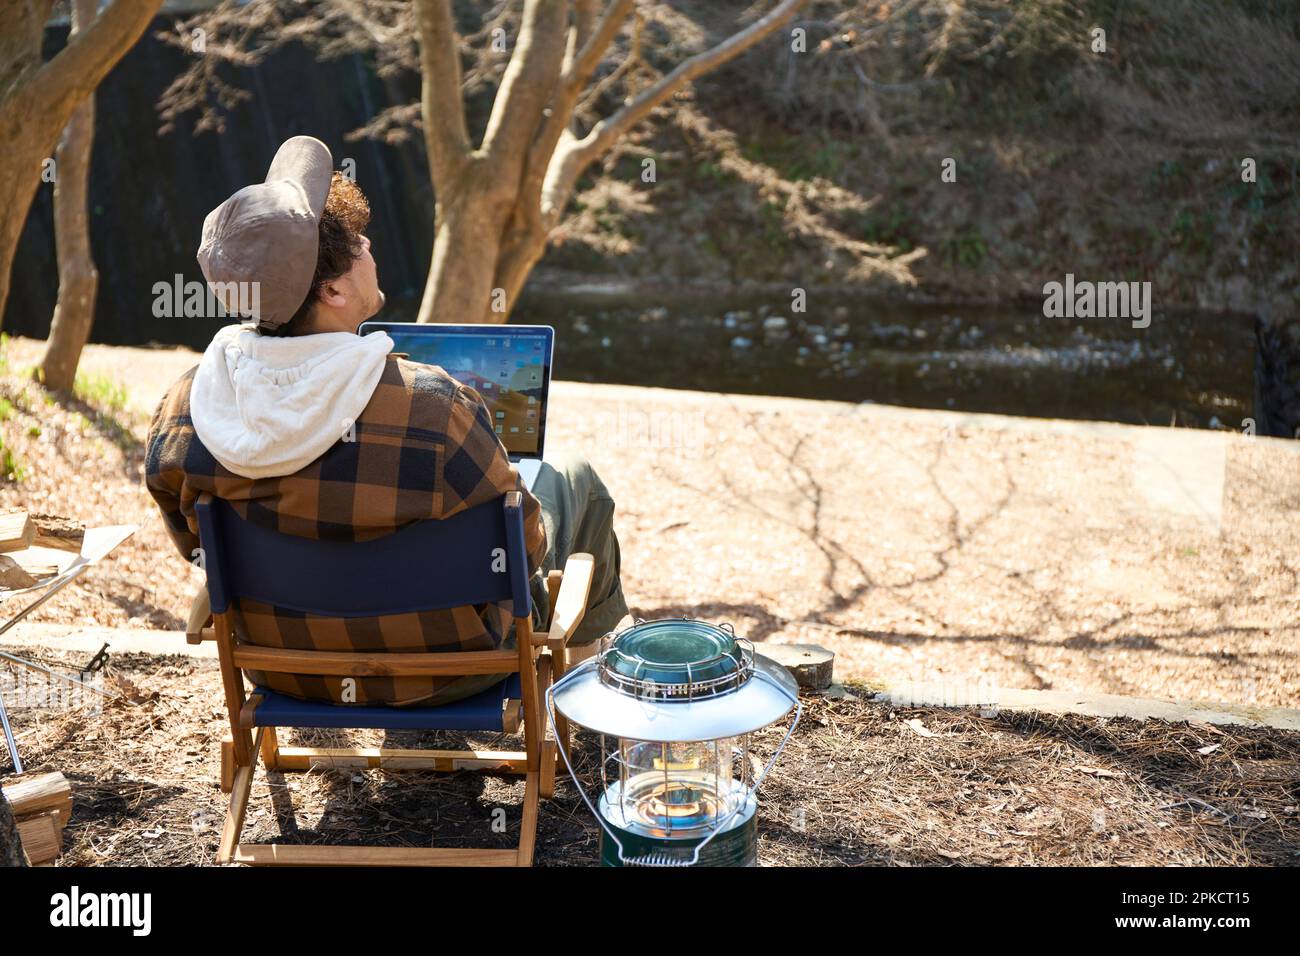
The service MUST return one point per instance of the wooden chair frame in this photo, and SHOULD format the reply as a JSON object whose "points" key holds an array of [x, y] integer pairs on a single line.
{"points": [[540, 659]]}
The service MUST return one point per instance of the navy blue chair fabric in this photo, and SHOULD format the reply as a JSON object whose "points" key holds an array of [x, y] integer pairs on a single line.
{"points": [[480, 712], [474, 557]]}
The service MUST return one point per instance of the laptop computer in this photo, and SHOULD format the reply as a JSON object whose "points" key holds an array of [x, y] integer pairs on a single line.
{"points": [[509, 365]]}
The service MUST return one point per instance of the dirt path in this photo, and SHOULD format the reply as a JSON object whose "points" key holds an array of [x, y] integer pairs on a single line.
{"points": [[920, 546]]}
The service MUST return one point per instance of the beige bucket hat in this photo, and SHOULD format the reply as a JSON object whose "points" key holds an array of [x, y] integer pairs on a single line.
{"points": [[260, 245]]}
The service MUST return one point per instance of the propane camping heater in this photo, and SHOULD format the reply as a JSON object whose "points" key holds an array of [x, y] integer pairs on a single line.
{"points": [[674, 703]]}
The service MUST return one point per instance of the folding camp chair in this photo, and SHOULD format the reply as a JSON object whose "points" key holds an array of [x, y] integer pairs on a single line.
{"points": [[424, 566]]}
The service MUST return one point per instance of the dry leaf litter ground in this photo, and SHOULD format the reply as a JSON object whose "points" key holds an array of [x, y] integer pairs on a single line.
{"points": [[859, 783]]}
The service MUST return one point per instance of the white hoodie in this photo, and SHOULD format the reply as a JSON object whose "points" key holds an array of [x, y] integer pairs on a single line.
{"points": [[267, 406]]}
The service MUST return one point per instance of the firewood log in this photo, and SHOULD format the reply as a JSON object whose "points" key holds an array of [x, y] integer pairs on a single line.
{"points": [[17, 531]]}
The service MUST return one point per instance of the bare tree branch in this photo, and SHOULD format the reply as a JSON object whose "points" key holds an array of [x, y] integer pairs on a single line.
{"points": [[592, 50], [574, 157], [78, 68], [442, 108], [498, 204], [37, 98], [577, 72], [584, 15], [391, 125], [527, 86], [20, 42], [485, 66], [607, 83]]}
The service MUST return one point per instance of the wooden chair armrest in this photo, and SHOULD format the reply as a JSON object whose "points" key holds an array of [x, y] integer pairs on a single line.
{"points": [[247, 713], [571, 602], [553, 581], [206, 633]]}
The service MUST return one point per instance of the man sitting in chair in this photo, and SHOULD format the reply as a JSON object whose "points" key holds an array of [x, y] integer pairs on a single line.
{"points": [[309, 429]]}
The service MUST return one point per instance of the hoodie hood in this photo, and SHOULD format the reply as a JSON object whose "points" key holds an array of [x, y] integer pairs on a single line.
{"points": [[268, 406]]}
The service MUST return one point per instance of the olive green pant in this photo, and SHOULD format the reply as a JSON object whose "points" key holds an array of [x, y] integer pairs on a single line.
{"points": [[578, 515]]}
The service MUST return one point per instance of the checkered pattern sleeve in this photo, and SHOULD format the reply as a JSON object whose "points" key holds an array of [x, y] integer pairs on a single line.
{"points": [[164, 457], [477, 469]]}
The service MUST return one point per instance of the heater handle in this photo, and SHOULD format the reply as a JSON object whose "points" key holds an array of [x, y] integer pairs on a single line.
{"points": [[564, 752], [749, 793], [798, 712]]}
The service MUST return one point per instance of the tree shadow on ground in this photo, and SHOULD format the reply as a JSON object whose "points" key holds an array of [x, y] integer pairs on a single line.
{"points": [[159, 618], [105, 422], [1049, 621]]}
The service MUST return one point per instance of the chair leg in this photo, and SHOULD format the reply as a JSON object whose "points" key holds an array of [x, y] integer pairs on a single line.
{"points": [[550, 754], [553, 581], [239, 792], [227, 764], [559, 667], [534, 731], [232, 681], [565, 737], [270, 749], [528, 825], [230, 850], [550, 768]]}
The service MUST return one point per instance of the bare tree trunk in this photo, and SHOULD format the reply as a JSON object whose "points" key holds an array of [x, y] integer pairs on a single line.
{"points": [[460, 287], [11, 844], [498, 204], [477, 190], [20, 172], [525, 243], [37, 98], [78, 279]]}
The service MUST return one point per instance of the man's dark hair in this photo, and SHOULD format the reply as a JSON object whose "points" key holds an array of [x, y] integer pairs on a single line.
{"points": [[346, 215]]}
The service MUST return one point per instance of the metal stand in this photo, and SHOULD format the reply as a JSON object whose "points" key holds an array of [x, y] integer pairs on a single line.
{"points": [[9, 737], [98, 542]]}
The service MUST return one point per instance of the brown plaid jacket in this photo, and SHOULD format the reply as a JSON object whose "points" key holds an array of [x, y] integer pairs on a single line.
{"points": [[424, 448]]}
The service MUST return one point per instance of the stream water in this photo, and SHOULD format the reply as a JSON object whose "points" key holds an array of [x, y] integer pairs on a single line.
{"points": [[1189, 369]]}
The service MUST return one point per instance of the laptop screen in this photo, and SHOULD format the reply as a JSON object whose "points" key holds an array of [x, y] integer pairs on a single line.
{"points": [[509, 365]]}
